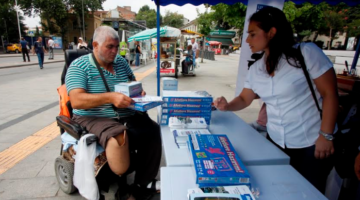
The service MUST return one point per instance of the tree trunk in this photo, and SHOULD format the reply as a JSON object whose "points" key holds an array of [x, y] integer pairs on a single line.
{"points": [[329, 45], [346, 40]]}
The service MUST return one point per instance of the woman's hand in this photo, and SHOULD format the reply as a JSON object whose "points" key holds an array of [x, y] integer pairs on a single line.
{"points": [[143, 93], [323, 148], [221, 103]]}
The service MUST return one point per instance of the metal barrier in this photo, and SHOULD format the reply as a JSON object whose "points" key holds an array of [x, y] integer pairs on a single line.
{"points": [[210, 55]]}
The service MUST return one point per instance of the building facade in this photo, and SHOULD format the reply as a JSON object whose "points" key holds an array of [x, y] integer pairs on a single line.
{"points": [[92, 21]]}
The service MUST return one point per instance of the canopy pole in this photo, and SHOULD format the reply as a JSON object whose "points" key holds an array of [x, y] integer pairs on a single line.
{"points": [[158, 46], [356, 57]]}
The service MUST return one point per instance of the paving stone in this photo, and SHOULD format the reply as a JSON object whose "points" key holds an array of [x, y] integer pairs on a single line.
{"points": [[38, 187], [47, 170], [23, 170]]}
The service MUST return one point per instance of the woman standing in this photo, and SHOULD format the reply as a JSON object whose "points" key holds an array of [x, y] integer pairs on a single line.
{"points": [[294, 123], [138, 52]]}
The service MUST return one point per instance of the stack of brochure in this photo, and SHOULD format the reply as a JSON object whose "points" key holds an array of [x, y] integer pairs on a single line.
{"points": [[187, 122], [215, 161], [181, 136], [186, 104], [236, 192]]}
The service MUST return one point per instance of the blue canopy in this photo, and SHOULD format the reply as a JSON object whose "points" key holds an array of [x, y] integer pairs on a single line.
{"points": [[214, 2]]}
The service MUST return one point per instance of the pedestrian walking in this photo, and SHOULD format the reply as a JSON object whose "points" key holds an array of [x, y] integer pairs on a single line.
{"points": [[39, 49], [51, 45], [24, 49]]}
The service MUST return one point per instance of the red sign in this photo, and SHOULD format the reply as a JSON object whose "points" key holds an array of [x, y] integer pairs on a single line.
{"points": [[167, 71]]}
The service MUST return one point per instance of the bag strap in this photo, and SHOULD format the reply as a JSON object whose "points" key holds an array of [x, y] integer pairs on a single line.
{"points": [[104, 80], [308, 79]]}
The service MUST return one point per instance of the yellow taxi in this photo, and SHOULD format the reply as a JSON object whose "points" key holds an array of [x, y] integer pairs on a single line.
{"points": [[13, 48]]}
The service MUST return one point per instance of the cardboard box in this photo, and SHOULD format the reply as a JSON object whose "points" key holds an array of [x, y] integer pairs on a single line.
{"points": [[215, 161], [130, 89], [169, 83]]}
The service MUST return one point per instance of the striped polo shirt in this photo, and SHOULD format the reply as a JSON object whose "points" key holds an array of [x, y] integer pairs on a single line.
{"points": [[83, 73]]}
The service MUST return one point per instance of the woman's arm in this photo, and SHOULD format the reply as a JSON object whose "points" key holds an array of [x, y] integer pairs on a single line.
{"points": [[327, 87], [238, 103]]}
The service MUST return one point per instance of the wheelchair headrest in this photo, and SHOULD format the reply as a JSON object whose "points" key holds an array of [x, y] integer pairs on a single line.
{"points": [[72, 54]]}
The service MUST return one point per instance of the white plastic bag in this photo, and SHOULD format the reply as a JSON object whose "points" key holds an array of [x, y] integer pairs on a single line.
{"points": [[84, 173]]}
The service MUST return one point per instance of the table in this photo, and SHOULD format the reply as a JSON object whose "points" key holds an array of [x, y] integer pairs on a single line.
{"points": [[275, 182], [252, 148]]}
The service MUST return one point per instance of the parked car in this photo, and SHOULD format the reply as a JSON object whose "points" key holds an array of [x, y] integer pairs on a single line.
{"points": [[13, 48]]}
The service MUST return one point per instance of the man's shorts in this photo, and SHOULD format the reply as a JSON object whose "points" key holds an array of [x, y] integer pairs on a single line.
{"points": [[103, 128]]}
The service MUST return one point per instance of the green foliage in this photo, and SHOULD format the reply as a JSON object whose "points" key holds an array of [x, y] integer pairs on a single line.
{"points": [[147, 14], [173, 19], [8, 22], [222, 16], [205, 22], [37, 32]]}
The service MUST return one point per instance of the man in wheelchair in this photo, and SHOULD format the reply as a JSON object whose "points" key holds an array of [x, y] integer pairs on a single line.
{"points": [[185, 64], [120, 131]]}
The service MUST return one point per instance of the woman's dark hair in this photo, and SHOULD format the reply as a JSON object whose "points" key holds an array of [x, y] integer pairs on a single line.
{"points": [[283, 40]]}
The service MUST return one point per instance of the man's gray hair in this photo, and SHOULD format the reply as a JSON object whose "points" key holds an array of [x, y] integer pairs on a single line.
{"points": [[102, 32]]}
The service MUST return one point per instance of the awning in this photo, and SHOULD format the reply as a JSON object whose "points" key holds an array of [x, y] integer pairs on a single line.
{"points": [[166, 31], [187, 32], [147, 34], [224, 41]]}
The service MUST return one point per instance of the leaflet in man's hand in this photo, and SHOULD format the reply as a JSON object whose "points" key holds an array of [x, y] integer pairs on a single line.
{"points": [[147, 99], [143, 107]]}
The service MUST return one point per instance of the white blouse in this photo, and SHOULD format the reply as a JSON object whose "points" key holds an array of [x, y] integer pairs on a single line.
{"points": [[293, 119]]}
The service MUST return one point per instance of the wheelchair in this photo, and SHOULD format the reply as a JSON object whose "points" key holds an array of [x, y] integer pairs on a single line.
{"points": [[64, 164]]}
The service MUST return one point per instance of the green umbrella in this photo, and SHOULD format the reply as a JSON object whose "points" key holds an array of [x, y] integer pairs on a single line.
{"points": [[147, 34]]}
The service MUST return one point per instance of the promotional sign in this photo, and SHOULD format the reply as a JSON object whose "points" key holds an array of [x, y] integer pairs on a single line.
{"points": [[245, 55], [58, 42]]}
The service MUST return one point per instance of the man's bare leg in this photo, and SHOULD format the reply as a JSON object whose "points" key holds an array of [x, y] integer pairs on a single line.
{"points": [[117, 153]]}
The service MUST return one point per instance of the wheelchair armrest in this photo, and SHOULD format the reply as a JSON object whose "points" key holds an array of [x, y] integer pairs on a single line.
{"points": [[70, 126]]}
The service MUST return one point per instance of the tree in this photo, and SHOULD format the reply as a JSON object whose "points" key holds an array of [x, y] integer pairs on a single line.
{"points": [[173, 19], [334, 21], [56, 13], [9, 22], [37, 32], [230, 16], [149, 15]]}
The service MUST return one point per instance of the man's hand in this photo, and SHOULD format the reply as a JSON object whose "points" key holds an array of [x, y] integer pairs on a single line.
{"points": [[120, 100], [221, 103], [323, 148], [143, 93], [357, 166]]}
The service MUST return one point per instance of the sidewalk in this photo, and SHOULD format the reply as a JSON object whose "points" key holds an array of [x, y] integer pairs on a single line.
{"points": [[33, 177], [33, 61]]}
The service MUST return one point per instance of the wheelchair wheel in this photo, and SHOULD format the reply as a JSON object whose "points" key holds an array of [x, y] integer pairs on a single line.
{"points": [[64, 171]]}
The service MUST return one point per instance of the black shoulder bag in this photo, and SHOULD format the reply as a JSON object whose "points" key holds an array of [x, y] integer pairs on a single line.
{"points": [[345, 145], [105, 83]]}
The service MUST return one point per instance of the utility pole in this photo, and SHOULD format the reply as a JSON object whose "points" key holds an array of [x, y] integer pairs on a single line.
{"points": [[17, 15]]}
